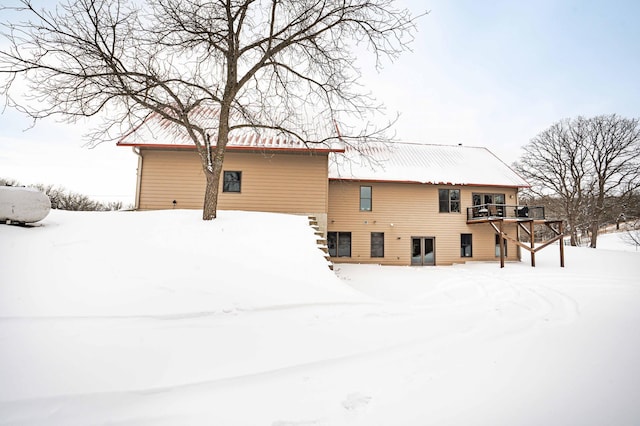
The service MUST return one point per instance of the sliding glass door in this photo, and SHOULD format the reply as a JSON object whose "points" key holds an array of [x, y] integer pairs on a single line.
{"points": [[423, 251]]}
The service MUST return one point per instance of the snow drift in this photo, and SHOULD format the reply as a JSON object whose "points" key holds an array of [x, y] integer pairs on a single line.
{"points": [[159, 318]]}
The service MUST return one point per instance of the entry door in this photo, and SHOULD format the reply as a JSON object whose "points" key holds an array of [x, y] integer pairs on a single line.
{"points": [[422, 251]]}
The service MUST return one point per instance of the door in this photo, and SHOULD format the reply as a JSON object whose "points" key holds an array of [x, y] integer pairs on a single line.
{"points": [[423, 251]]}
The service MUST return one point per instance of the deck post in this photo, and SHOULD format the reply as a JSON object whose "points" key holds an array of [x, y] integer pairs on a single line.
{"points": [[501, 245], [532, 240], [561, 245]]}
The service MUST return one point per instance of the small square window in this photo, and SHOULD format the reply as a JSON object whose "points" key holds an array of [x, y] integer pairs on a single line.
{"points": [[231, 181]]}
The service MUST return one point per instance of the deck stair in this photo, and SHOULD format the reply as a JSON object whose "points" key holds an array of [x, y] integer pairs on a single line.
{"points": [[321, 241]]}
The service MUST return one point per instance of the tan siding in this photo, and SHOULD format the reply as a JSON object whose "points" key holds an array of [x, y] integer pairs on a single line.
{"points": [[168, 176], [297, 183], [285, 183], [402, 211]]}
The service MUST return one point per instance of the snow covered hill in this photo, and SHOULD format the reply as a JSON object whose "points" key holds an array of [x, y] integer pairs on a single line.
{"points": [[162, 263], [159, 318]]}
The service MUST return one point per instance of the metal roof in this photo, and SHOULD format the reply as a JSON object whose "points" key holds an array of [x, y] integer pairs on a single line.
{"points": [[422, 163], [385, 162], [156, 131]]}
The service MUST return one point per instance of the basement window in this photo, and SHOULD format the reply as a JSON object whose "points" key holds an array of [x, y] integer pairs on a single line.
{"points": [[466, 245], [377, 244], [339, 244], [231, 181]]}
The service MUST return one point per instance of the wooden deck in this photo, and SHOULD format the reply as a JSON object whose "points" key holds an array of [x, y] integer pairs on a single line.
{"points": [[526, 217], [504, 211]]}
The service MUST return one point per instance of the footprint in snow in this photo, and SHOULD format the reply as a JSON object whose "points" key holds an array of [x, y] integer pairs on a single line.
{"points": [[356, 401]]}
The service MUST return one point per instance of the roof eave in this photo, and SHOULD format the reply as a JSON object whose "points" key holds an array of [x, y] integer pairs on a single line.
{"points": [[235, 148], [427, 182]]}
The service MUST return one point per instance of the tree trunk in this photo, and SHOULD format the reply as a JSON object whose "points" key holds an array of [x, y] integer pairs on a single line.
{"points": [[211, 192], [571, 224], [598, 212], [212, 166], [594, 234], [574, 237], [210, 207]]}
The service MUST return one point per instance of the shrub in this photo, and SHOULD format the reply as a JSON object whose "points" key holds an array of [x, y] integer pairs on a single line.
{"points": [[61, 199]]}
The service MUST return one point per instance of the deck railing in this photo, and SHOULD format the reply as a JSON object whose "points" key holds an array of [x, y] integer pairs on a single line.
{"points": [[484, 211]]}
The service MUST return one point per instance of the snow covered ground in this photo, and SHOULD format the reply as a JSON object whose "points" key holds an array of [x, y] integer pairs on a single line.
{"points": [[159, 318]]}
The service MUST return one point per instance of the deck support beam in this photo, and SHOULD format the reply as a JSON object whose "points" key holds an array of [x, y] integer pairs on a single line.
{"points": [[501, 244], [530, 231], [532, 239], [561, 245]]}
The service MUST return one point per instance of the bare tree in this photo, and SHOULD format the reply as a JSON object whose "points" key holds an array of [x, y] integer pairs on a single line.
{"points": [[632, 234], [283, 65], [555, 164], [8, 182], [615, 158], [589, 164]]}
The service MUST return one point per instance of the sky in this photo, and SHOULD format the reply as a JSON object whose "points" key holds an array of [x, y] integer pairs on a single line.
{"points": [[492, 74]]}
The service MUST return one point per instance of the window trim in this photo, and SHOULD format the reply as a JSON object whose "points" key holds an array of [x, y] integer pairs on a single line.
{"points": [[370, 198], [225, 182]]}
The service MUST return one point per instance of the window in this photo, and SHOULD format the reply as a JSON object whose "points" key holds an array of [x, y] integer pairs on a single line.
{"points": [[339, 244], [377, 244], [493, 203], [231, 181], [365, 198], [479, 199], [449, 200], [466, 245], [498, 246]]}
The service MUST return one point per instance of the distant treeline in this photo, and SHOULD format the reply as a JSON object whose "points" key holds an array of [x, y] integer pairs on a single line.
{"points": [[62, 199]]}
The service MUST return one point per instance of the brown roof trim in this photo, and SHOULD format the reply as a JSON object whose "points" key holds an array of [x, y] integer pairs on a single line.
{"points": [[234, 148]]}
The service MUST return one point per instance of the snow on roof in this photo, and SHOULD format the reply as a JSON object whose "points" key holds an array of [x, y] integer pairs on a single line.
{"points": [[421, 163], [394, 162], [156, 131]]}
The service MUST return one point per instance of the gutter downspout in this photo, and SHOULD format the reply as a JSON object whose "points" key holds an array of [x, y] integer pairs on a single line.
{"points": [[137, 152]]}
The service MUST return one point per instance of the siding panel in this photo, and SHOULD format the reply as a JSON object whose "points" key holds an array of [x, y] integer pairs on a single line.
{"points": [[284, 183]]}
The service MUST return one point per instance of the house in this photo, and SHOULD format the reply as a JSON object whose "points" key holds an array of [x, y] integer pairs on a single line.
{"points": [[262, 172], [395, 204], [406, 204]]}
